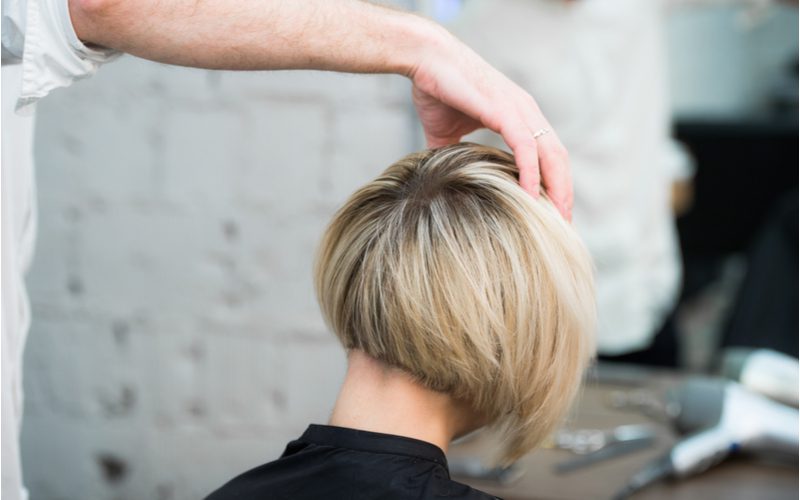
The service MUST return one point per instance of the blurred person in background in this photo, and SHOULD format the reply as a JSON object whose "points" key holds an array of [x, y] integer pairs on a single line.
{"points": [[599, 67], [47, 44]]}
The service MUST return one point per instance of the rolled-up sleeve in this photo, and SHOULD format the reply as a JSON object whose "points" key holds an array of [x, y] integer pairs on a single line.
{"points": [[53, 56]]}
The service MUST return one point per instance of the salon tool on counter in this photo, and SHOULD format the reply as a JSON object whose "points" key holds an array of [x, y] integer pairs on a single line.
{"points": [[645, 402], [584, 441], [764, 371], [727, 418], [620, 441]]}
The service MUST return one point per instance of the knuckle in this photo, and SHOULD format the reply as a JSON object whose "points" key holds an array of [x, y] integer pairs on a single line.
{"points": [[560, 150], [550, 155], [528, 100], [556, 154], [527, 141]]}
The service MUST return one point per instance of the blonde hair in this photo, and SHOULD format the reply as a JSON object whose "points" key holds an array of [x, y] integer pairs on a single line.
{"points": [[445, 268]]}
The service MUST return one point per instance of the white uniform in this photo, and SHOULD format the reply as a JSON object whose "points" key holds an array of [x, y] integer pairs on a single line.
{"points": [[40, 53], [598, 70]]}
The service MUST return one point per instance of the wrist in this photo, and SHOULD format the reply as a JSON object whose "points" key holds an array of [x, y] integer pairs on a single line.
{"points": [[419, 40]]}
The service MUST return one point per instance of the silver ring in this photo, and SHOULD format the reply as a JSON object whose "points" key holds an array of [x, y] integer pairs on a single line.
{"points": [[541, 132]]}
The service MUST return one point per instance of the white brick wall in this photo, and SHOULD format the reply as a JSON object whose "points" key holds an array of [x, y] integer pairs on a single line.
{"points": [[176, 340]]}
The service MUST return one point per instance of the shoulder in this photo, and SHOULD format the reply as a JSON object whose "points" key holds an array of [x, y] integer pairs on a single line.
{"points": [[457, 491], [308, 471], [261, 483]]}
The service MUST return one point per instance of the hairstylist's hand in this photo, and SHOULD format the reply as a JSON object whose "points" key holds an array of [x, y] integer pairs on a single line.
{"points": [[456, 92]]}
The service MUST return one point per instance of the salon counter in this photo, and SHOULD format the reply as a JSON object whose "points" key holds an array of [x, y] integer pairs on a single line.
{"points": [[598, 407]]}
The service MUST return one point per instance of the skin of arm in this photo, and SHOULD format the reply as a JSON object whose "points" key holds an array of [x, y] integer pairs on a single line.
{"points": [[455, 91]]}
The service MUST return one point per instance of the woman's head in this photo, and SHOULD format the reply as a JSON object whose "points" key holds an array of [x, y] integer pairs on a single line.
{"points": [[445, 268]]}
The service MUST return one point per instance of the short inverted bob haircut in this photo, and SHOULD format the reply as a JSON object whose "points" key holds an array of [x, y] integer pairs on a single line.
{"points": [[445, 268]]}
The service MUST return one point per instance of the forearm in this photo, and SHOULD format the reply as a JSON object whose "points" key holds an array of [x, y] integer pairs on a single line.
{"points": [[454, 91], [337, 35]]}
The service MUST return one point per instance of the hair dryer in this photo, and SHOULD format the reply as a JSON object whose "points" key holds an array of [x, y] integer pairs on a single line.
{"points": [[771, 373], [725, 417]]}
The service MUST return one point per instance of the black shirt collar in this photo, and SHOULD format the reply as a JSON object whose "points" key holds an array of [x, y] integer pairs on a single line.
{"points": [[375, 442]]}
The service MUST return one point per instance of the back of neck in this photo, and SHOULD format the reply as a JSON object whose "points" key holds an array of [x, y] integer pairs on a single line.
{"points": [[378, 398]]}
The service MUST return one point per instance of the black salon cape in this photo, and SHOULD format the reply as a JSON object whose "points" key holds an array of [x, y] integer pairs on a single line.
{"points": [[337, 463]]}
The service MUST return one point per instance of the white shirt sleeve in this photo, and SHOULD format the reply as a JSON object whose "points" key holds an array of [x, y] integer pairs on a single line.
{"points": [[52, 55]]}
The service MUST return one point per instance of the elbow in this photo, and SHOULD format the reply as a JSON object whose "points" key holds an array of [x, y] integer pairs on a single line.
{"points": [[93, 8], [94, 18]]}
